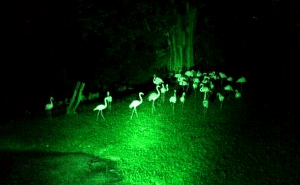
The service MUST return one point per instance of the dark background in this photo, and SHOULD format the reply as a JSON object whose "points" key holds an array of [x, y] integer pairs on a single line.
{"points": [[46, 46]]}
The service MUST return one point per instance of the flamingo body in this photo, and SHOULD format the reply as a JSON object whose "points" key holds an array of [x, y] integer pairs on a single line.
{"points": [[157, 80]]}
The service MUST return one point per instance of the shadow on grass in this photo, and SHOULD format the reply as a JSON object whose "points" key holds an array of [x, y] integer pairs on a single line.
{"points": [[38, 167]]}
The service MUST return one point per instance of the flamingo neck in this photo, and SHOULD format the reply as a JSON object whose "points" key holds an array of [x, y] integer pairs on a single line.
{"points": [[141, 99], [105, 103], [157, 90]]}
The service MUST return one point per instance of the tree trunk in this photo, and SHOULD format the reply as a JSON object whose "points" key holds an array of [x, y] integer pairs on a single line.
{"points": [[78, 90], [190, 33], [181, 42], [80, 96]]}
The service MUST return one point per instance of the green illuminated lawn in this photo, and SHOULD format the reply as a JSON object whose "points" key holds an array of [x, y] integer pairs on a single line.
{"points": [[232, 146]]}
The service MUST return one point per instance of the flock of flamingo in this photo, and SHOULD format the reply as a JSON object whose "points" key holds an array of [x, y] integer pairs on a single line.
{"points": [[202, 81]]}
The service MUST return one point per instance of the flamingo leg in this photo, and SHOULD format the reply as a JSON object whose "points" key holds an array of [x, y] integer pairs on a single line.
{"points": [[153, 107], [132, 114], [173, 108], [102, 115], [97, 115]]}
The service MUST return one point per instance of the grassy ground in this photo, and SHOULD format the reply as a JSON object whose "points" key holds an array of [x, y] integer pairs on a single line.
{"points": [[251, 141]]}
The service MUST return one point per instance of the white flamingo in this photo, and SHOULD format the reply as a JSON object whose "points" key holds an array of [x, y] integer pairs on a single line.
{"points": [[188, 73], [163, 91], [221, 98], [198, 74], [183, 84], [109, 99], [157, 80], [237, 94], [205, 105], [196, 81], [211, 85], [153, 96], [173, 100], [230, 79], [136, 103], [182, 99], [206, 79], [101, 107], [212, 74], [222, 75], [205, 90], [177, 75], [49, 106], [241, 81], [195, 86], [228, 88]]}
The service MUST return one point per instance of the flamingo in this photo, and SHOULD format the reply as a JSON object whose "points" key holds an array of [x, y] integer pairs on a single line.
{"points": [[211, 85], [205, 90], [196, 81], [153, 96], [163, 91], [222, 75], [198, 74], [228, 88], [206, 79], [212, 74], [221, 98], [177, 76], [49, 106], [182, 99], [241, 81], [205, 105], [136, 103], [195, 86], [188, 73], [173, 100], [230, 79], [157, 80], [109, 99], [237, 94], [101, 107], [183, 84]]}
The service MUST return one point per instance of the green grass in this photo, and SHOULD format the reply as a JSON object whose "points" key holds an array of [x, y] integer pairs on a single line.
{"points": [[224, 147]]}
